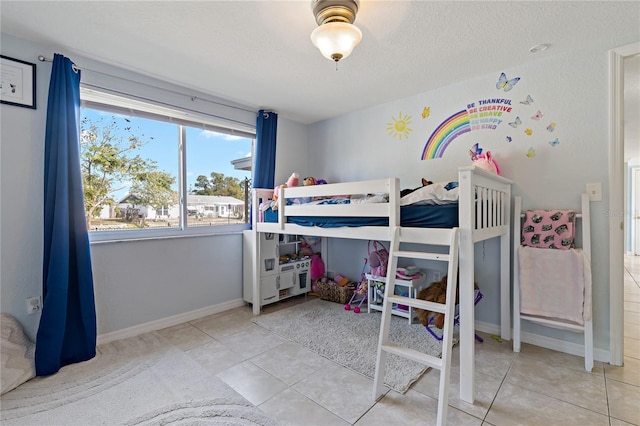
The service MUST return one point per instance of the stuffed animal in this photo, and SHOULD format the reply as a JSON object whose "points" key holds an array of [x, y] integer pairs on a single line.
{"points": [[486, 162], [276, 193], [436, 292], [409, 191], [294, 180], [317, 267], [310, 181]]}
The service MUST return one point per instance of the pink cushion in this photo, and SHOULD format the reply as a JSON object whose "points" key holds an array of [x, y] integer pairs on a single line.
{"points": [[549, 229]]}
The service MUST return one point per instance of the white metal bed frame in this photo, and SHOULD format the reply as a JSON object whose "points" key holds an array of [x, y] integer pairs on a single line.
{"points": [[484, 213]]}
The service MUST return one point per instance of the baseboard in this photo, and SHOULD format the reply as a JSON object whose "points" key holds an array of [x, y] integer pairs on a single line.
{"points": [[168, 322], [548, 342]]}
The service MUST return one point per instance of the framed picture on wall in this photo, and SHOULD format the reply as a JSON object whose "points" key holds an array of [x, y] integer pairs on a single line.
{"points": [[17, 82]]}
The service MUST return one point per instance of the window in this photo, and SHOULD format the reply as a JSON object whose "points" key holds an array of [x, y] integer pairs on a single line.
{"points": [[150, 170]]}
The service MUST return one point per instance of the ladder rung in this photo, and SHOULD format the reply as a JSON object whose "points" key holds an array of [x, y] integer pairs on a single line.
{"points": [[422, 255], [414, 355], [418, 303]]}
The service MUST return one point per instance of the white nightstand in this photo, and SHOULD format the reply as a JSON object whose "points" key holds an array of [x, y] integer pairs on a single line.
{"points": [[412, 287]]}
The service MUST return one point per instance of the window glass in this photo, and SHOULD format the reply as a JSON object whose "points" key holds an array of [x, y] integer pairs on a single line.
{"points": [[134, 180], [215, 187]]}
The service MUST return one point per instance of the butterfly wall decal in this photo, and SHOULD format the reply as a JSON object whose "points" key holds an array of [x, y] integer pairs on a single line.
{"points": [[509, 139], [531, 152], [529, 132], [551, 127], [527, 101], [426, 111], [516, 123], [554, 142], [475, 151], [537, 116], [505, 83]]}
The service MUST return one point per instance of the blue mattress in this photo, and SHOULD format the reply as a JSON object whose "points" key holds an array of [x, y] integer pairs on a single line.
{"points": [[418, 216]]}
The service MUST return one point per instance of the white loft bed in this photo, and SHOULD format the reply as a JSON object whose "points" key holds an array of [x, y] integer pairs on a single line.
{"points": [[484, 212]]}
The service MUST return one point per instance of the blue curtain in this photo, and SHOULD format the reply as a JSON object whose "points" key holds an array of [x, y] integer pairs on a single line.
{"points": [[266, 130], [67, 331]]}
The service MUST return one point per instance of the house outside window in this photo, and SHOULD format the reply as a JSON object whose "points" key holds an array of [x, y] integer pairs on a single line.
{"points": [[149, 171]]}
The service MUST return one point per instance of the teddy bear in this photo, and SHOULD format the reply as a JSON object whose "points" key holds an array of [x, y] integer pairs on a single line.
{"points": [[436, 292]]}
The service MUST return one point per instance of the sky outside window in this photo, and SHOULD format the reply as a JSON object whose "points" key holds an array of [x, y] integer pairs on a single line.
{"points": [[207, 151]]}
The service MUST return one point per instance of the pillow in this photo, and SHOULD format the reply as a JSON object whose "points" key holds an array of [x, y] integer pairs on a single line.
{"points": [[17, 354], [436, 193], [553, 229]]}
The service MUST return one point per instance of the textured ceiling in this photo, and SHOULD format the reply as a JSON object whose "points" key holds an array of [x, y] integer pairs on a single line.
{"points": [[259, 53]]}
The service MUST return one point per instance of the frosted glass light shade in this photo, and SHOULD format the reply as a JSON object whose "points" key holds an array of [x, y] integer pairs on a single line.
{"points": [[336, 40]]}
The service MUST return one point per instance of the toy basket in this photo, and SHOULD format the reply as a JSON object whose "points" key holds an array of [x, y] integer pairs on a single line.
{"points": [[334, 293]]}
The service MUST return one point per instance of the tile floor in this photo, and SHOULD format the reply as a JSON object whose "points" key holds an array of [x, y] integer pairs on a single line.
{"points": [[534, 387]]}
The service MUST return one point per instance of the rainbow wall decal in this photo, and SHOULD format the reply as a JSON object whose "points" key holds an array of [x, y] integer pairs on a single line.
{"points": [[445, 133]]}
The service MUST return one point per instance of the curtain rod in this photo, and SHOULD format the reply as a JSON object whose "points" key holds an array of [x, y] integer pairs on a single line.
{"points": [[193, 98]]}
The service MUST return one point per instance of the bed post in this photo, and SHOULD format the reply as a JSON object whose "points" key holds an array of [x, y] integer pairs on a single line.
{"points": [[466, 266], [505, 265], [255, 251], [394, 203]]}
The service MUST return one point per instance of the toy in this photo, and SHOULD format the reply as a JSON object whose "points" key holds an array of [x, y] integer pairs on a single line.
{"points": [[317, 267], [309, 181], [486, 161], [276, 192], [361, 293], [425, 182], [437, 292], [294, 180]]}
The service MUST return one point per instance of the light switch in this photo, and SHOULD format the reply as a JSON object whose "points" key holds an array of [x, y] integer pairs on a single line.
{"points": [[594, 190]]}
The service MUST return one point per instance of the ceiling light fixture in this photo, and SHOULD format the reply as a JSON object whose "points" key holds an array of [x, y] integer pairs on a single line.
{"points": [[336, 36]]}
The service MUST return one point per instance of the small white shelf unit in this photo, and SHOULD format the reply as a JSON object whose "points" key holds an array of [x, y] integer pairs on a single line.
{"points": [[412, 287]]}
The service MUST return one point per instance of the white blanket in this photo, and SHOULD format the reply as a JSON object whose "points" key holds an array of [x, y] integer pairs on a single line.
{"points": [[555, 284]]}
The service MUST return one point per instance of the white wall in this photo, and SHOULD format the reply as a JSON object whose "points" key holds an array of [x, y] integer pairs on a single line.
{"points": [[570, 90], [136, 282], [141, 282], [291, 150]]}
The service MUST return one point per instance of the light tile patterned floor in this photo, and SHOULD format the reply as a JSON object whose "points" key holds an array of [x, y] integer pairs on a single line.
{"points": [[534, 387]]}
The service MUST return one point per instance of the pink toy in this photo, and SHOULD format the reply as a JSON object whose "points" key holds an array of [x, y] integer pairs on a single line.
{"points": [[276, 194], [360, 294], [294, 180], [486, 162], [317, 267]]}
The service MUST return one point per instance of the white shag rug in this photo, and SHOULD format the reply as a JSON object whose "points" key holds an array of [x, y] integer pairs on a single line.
{"points": [[141, 380], [351, 339]]}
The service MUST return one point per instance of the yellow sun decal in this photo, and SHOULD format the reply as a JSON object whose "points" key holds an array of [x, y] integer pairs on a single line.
{"points": [[399, 127]]}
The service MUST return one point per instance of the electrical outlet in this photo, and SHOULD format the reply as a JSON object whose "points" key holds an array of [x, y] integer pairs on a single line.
{"points": [[33, 305]]}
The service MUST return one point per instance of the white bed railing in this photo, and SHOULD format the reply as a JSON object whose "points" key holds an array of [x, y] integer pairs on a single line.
{"points": [[389, 210]]}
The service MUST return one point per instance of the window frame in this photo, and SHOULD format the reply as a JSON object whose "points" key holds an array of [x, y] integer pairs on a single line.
{"points": [[129, 105]]}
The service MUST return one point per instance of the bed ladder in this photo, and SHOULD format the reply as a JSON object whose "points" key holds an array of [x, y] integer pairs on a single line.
{"points": [[425, 237]]}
